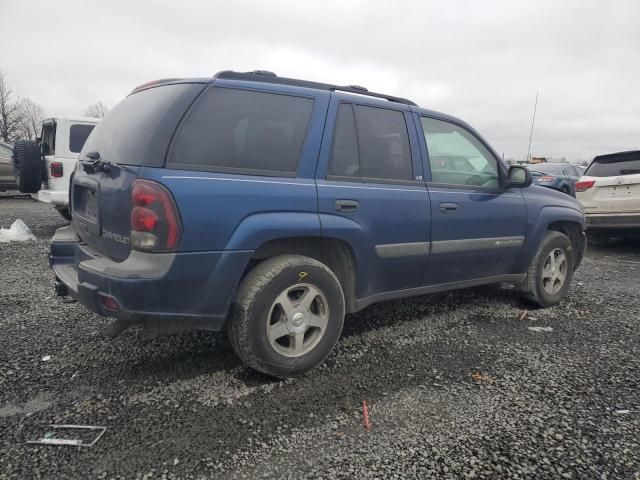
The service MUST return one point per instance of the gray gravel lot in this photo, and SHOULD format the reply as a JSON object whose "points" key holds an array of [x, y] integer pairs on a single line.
{"points": [[458, 386]]}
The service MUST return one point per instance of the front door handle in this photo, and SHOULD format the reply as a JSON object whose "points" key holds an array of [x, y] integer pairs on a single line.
{"points": [[448, 207], [346, 206]]}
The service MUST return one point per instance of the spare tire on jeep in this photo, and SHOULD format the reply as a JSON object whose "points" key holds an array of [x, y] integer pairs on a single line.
{"points": [[28, 166]]}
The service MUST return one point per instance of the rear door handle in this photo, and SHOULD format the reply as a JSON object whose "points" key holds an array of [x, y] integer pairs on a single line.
{"points": [[346, 206], [448, 207]]}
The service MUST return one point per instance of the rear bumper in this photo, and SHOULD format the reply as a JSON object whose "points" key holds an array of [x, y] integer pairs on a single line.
{"points": [[610, 221], [57, 198], [194, 288]]}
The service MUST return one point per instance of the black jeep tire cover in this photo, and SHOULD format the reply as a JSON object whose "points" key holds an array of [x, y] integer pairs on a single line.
{"points": [[28, 166]]}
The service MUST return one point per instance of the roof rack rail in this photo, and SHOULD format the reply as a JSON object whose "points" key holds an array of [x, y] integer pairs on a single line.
{"points": [[265, 76]]}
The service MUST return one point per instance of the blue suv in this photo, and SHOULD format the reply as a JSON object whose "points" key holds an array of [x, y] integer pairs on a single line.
{"points": [[273, 207]]}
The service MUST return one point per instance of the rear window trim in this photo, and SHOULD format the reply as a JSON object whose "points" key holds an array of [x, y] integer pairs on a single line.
{"points": [[388, 181], [232, 170], [238, 170]]}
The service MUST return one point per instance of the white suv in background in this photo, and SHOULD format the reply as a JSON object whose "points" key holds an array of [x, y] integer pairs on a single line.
{"points": [[610, 193], [44, 169]]}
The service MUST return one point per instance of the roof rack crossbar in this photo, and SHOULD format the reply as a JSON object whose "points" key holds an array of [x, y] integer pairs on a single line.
{"points": [[270, 77]]}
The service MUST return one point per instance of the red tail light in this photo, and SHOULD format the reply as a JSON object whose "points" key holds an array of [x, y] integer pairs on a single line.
{"points": [[56, 169], [547, 178], [155, 224], [584, 185], [109, 302]]}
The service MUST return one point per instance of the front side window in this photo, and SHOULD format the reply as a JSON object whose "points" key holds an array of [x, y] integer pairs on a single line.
{"points": [[457, 157], [77, 136], [233, 129], [370, 142]]}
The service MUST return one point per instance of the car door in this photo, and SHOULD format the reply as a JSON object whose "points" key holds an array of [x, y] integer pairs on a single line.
{"points": [[371, 193], [477, 227]]}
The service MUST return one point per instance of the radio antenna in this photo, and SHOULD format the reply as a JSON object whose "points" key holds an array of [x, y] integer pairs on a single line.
{"points": [[535, 106]]}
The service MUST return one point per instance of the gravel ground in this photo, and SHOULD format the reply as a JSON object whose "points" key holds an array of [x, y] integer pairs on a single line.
{"points": [[457, 385]]}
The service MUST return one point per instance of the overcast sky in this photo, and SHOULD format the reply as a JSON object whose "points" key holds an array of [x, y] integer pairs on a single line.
{"points": [[480, 60]]}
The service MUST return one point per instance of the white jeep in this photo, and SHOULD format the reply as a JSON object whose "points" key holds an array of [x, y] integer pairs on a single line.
{"points": [[44, 168]]}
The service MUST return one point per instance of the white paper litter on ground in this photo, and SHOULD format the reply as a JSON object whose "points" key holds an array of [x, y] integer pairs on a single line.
{"points": [[18, 232], [541, 329]]}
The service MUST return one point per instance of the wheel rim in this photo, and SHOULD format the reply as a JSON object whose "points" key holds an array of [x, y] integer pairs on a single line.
{"points": [[297, 320], [554, 271]]}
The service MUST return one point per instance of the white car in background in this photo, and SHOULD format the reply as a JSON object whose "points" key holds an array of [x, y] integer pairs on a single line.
{"points": [[609, 191], [44, 168]]}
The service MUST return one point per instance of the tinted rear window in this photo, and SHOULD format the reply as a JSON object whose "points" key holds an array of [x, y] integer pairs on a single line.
{"points": [[370, 142], [629, 164], [229, 130], [77, 136], [125, 132]]}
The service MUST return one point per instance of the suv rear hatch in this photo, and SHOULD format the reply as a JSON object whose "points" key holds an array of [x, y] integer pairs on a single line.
{"points": [[134, 134], [611, 184]]}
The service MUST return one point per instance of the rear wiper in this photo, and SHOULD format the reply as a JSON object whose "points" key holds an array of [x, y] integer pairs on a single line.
{"points": [[98, 165]]}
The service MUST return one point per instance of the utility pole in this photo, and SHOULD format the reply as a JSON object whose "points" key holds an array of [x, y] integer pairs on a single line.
{"points": [[535, 105]]}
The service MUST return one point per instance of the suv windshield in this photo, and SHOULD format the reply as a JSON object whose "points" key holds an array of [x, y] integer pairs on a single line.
{"points": [[627, 163], [125, 132]]}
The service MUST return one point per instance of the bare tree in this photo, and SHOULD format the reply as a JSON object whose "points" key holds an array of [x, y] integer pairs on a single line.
{"points": [[96, 110], [30, 118], [10, 111]]}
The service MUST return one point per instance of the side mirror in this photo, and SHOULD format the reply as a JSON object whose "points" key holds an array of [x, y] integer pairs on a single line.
{"points": [[518, 177]]}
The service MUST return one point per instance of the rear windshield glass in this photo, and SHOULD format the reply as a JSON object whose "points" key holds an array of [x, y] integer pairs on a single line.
{"points": [[77, 136], [125, 132], [614, 166]]}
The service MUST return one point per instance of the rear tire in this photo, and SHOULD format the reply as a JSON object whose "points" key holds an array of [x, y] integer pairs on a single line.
{"points": [[288, 315], [28, 166], [550, 272]]}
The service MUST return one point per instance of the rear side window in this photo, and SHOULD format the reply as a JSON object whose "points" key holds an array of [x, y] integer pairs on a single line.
{"points": [[615, 166], [125, 133], [77, 136], [370, 142], [243, 131], [49, 139]]}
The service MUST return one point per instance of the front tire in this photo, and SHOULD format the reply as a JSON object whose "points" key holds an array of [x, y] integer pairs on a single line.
{"points": [[288, 315], [550, 272]]}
